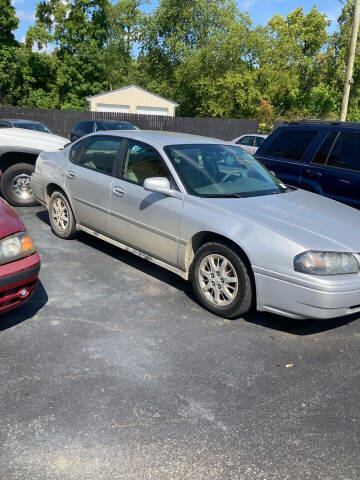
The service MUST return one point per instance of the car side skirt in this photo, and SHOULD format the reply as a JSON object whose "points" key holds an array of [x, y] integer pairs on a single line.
{"points": [[145, 256]]}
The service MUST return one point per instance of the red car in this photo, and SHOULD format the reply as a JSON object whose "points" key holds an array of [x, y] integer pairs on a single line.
{"points": [[19, 261]]}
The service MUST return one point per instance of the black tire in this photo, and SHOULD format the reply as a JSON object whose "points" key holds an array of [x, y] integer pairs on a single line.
{"points": [[8, 179], [244, 298], [69, 230]]}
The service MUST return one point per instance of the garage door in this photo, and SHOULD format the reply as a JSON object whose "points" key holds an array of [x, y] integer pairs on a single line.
{"points": [[100, 107], [152, 111]]}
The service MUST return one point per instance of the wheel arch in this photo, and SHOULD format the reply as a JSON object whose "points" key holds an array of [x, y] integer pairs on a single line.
{"points": [[50, 189], [12, 155], [53, 187], [203, 237]]}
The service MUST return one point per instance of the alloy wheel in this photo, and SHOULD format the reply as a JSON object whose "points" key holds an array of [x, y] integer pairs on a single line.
{"points": [[60, 214], [20, 186], [218, 280]]}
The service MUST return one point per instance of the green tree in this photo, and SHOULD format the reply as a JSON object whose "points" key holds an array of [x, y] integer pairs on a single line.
{"points": [[34, 79], [339, 46], [78, 30], [294, 64], [125, 21], [190, 49], [8, 47]]}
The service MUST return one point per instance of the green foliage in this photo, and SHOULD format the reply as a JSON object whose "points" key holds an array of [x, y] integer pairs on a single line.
{"points": [[8, 46], [204, 54]]}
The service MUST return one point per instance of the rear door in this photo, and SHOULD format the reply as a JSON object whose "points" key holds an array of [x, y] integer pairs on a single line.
{"points": [[335, 168], [89, 179], [285, 155], [145, 220]]}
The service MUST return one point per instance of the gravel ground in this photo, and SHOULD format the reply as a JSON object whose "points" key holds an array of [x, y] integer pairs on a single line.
{"points": [[112, 371]]}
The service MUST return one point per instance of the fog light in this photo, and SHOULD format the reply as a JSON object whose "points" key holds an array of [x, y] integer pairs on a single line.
{"points": [[23, 293]]}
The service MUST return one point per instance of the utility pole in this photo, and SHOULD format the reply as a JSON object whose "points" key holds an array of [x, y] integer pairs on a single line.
{"points": [[350, 62]]}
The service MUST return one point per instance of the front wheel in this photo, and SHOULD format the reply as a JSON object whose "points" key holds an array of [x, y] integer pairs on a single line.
{"points": [[15, 185], [61, 216], [222, 280]]}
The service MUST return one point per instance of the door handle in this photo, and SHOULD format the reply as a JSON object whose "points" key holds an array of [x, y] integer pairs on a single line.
{"points": [[70, 175], [119, 192], [311, 173]]}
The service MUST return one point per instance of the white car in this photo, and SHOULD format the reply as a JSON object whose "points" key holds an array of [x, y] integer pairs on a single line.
{"points": [[250, 142], [19, 149]]}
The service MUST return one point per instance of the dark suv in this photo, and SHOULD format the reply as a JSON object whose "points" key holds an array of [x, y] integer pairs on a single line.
{"points": [[90, 126], [323, 157]]}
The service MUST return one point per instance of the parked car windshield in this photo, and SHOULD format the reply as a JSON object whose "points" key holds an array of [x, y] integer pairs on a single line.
{"points": [[39, 127], [120, 126], [211, 170]]}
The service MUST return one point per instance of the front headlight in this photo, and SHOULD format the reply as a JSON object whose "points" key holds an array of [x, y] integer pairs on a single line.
{"points": [[326, 263], [16, 247]]}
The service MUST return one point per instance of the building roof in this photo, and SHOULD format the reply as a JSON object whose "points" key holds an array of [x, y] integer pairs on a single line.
{"points": [[132, 86]]}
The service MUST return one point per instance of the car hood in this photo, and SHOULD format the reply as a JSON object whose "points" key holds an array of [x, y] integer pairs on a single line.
{"points": [[9, 220], [20, 137], [313, 221]]}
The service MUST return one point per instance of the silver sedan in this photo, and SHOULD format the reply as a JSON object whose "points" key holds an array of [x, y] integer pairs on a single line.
{"points": [[212, 214]]}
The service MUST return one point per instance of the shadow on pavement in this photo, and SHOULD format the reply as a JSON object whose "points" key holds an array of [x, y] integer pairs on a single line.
{"points": [[268, 320], [297, 327], [128, 258], [26, 311]]}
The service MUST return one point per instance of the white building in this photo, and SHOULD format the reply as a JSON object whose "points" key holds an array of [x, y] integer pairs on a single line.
{"points": [[132, 99]]}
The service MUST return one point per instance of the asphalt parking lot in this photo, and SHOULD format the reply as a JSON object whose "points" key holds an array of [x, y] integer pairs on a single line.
{"points": [[112, 371]]}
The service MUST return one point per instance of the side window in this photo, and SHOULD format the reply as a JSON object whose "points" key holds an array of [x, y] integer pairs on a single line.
{"points": [[346, 152], [259, 141], [80, 127], [248, 141], [100, 154], [290, 144], [3, 124], [75, 151], [88, 127], [141, 162], [324, 149]]}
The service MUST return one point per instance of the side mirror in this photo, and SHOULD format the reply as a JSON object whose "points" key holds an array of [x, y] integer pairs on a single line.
{"points": [[161, 185]]}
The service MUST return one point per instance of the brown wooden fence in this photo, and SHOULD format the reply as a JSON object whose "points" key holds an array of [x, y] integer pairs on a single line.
{"points": [[62, 122]]}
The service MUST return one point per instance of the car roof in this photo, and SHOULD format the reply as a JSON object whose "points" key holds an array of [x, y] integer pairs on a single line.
{"points": [[161, 137], [102, 120], [321, 125], [253, 135], [113, 121], [19, 120]]}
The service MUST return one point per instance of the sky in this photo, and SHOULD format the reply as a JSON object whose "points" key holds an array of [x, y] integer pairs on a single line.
{"points": [[260, 10]]}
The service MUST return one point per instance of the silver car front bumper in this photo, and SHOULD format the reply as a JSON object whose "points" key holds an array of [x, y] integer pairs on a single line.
{"points": [[302, 297]]}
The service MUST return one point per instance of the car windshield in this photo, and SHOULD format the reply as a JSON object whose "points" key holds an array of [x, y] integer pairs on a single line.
{"points": [[39, 127], [121, 126], [212, 170]]}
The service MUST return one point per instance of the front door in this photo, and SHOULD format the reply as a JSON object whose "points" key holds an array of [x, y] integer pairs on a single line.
{"points": [[144, 220], [89, 180]]}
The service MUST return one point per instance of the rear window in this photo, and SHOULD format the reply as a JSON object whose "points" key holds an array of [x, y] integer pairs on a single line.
{"points": [[346, 152], [248, 141], [259, 141], [324, 149], [290, 144]]}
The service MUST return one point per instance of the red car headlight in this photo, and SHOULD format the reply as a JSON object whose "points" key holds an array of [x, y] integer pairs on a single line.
{"points": [[15, 247]]}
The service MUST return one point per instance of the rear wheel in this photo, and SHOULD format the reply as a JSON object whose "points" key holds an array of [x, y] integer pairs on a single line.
{"points": [[15, 185], [61, 216], [222, 280]]}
